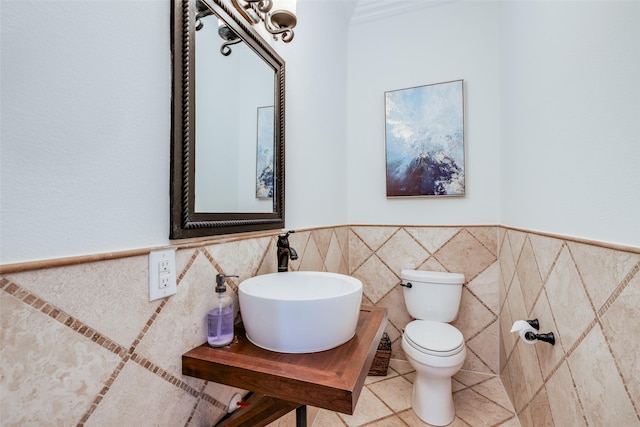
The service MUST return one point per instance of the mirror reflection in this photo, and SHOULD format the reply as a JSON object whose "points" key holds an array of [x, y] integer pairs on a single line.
{"points": [[234, 123], [227, 149]]}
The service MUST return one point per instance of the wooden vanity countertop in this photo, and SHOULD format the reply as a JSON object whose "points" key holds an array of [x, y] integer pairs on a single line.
{"points": [[330, 379]]}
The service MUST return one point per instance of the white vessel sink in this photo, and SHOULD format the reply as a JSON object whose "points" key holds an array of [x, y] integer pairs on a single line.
{"points": [[300, 311]]}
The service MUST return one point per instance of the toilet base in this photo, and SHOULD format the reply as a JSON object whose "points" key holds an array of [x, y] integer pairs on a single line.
{"points": [[432, 400]]}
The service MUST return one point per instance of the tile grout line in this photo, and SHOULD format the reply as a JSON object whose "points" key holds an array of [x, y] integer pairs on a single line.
{"points": [[458, 232], [515, 347], [145, 363], [432, 255], [619, 289], [614, 296], [508, 252], [308, 235], [495, 319], [563, 359], [31, 300], [466, 285], [60, 316], [187, 267], [575, 388], [393, 412], [369, 256], [543, 280], [419, 244], [344, 260], [512, 412], [542, 291], [582, 282], [495, 256], [76, 325], [195, 405], [596, 321], [44, 307], [519, 254], [495, 253], [323, 249], [575, 345], [116, 372], [263, 258]]}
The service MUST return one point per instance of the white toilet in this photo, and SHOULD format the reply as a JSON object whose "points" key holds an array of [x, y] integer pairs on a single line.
{"points": [[434, 348]]}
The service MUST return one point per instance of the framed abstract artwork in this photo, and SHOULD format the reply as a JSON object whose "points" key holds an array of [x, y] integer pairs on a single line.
{"points": [[264, 153], [424, 140]]}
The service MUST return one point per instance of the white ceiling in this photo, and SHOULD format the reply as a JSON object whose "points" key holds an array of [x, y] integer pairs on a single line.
{"points": [[371, 10]]}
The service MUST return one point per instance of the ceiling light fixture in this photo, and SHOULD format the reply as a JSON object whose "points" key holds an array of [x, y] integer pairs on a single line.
{"points": [[278, 16]]}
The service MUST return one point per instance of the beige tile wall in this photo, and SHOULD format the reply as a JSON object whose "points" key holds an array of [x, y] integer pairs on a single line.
{"points": [[378, 254], [81, 344], [589, 297]]}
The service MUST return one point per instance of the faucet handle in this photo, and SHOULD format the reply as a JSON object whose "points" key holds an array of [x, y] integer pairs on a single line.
{"points": [[287, 234], [283, 239]]}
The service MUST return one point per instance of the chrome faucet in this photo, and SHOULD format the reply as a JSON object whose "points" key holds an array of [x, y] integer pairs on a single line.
{"points": [[285, 252]]}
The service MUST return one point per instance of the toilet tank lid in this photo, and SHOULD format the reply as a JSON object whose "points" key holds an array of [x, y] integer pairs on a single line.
{"points": [[433, 276]]}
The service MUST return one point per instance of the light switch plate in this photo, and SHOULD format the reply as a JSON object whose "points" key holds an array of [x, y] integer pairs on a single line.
{"points": [[162, 274]]}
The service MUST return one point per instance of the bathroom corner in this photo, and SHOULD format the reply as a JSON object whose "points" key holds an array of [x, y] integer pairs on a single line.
{"points": [[586, 293]]}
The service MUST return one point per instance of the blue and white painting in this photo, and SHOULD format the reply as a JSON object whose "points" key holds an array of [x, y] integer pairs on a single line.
{"points": [[424, 134], [264, 160]]}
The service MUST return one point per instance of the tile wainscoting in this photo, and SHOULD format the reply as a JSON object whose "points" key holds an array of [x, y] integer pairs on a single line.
{"points": [[81, 343], [588, 295], [377, 255]]}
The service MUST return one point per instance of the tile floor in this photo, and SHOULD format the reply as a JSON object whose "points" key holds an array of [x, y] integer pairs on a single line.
{"points": [[480, 400]]}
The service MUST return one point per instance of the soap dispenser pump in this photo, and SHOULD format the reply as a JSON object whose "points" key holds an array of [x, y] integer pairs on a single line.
{"points": [[220, 319]]}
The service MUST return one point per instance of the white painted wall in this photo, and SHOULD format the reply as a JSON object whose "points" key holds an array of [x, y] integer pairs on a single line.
{"points": [[316, 150], [86, 117], [85, 133], [570, 115], [430, 45]]}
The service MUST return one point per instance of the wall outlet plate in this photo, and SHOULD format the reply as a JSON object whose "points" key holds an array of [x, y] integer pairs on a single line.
{"points": [[162, 274]]}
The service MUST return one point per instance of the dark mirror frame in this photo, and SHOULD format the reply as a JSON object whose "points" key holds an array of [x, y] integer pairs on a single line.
{"points": [[185, 222]]}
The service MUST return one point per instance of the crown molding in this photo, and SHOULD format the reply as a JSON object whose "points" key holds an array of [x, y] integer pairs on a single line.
{"points": [[374, 10]]}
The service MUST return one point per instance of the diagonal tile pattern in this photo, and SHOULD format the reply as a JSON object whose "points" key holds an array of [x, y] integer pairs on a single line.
{"points": [[111, 357], [588, 296], [480, 400], [378, 255]]}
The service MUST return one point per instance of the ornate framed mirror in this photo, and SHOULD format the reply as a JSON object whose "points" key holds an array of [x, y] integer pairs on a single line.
{"points": [[228, 122]]}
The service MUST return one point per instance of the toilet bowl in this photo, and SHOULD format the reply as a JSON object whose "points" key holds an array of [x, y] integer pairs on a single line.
{"points": [[434, 348], [436, 351]]}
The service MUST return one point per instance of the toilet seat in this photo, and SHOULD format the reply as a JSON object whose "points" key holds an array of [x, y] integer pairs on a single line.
{"points": [[434, 338]]}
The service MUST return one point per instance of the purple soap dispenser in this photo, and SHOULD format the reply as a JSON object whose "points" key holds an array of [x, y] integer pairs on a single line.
{"points": [[220, 319]]}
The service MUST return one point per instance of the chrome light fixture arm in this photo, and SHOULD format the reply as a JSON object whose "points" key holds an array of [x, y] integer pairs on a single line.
{"points": [[287, 21], [252, 10], [225, 50], [276, 22]]}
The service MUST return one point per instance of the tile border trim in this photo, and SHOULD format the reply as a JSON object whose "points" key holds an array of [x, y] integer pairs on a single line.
{"points": [[123, 353]]}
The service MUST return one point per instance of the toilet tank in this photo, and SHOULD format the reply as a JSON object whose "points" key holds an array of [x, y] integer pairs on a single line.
{"points": [[433, 295]]}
